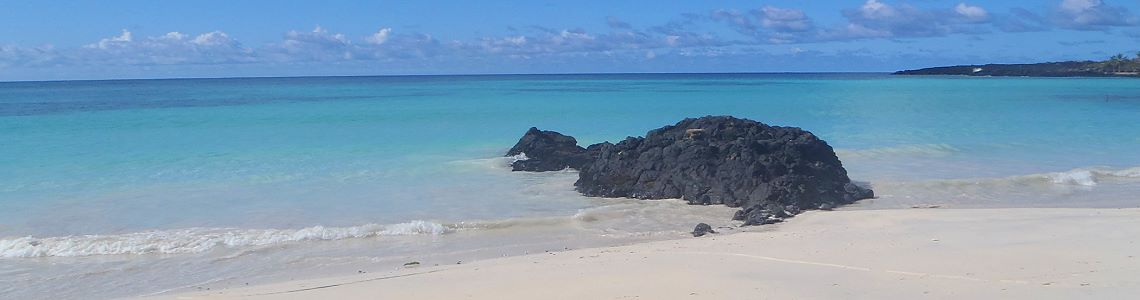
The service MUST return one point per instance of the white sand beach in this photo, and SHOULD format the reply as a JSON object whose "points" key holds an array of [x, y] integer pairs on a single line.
{"points": [[862, 254]]}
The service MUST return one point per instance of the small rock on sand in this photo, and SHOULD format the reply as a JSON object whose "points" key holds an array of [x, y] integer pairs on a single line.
{"points": [[702, 229]]}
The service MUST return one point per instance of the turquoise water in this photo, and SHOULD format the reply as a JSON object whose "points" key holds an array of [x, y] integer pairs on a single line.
{"points": [[139, 170]]}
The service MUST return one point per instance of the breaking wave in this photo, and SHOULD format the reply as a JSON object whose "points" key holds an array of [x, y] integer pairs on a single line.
{"points": [[1080, 177], [616, 215], [1087, 177], [197, 240]]}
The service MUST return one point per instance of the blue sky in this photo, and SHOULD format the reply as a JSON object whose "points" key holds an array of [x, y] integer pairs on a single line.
{"points": [[45, 40]]}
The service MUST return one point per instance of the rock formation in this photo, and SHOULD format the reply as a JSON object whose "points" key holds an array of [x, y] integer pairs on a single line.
{"points": [[541, 151], [770, 172]]}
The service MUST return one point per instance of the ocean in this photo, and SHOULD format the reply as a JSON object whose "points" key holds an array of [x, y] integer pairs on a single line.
{"points": [[135, 187]]}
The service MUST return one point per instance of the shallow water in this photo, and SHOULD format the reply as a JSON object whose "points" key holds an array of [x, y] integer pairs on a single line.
{"points": [[103, 183]]}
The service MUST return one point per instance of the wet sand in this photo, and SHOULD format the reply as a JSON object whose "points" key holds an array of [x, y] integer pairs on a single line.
{"points": [[1022, 253]]}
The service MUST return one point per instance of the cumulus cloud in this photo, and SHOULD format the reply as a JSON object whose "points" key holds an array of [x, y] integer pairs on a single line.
{"points": [[315, 45], [739, 21], [683, 32], [165, 49], [871, 19], [769, 24], [873, 9], [379, 37], [216, 38], [687, 35], [11, 55], [852, 31], [784, 25], [970, 12], [319, 37], [879, 19], [1092, 15], [783, 19], [409, 46], [111, 42]]}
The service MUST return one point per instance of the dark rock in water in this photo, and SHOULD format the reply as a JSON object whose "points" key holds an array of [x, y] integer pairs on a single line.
{"points": [[723, 160], [547, 151], [770, 172], [702, 229]]}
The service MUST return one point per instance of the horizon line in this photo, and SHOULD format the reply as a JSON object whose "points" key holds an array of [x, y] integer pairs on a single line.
{"points": [[437, 75]]}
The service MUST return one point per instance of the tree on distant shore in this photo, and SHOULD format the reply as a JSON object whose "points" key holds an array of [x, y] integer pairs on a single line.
{"points": [[1136, 63], [1116, 62]]}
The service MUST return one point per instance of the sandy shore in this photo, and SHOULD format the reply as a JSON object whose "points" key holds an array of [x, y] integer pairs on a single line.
{"points": [[880, 254]]}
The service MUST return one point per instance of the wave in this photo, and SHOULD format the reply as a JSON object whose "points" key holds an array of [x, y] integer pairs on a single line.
{"points": [[624, 214], [1087, 177], [926, 150], [490, 163], [197, 240], [1080, 177], [1076, 188]]}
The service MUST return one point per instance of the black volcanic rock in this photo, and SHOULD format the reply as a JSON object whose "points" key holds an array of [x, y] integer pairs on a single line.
{"points": [[547, 151], [702, 229], [770, 172]]}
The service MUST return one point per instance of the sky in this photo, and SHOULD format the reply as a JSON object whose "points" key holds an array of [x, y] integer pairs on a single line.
{"points": [[61, 40]]}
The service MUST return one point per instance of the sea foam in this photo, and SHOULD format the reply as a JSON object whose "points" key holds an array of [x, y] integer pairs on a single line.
{"points": [[618, 213], [1080, 178], [1089, 176], [197, 240]]}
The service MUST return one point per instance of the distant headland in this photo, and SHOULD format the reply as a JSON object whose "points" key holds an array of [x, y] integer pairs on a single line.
{"points": [[1116, 66]]}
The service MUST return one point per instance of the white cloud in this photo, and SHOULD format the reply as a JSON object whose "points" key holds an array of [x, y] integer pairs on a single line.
{"points": [[875, 19], [567, 35], [319, 36], [693, 35], [971, 12], [177, 36], [1092, 15], [1077, 6], [111, 42], [498, 45], [784, 19], [873, 9], [855, 31], [379, 37], [166, 49], [315, 45], [215, 38], [518, 40]]}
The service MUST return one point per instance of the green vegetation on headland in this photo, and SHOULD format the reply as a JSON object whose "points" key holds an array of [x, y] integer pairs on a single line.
{"points": [[1116, 66]]}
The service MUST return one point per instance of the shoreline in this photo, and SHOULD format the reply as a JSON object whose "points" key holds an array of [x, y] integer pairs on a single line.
{"points": [[1040, 253]]}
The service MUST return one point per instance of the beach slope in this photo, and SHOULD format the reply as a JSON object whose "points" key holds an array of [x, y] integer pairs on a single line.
{"points": [[867, 254]]}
